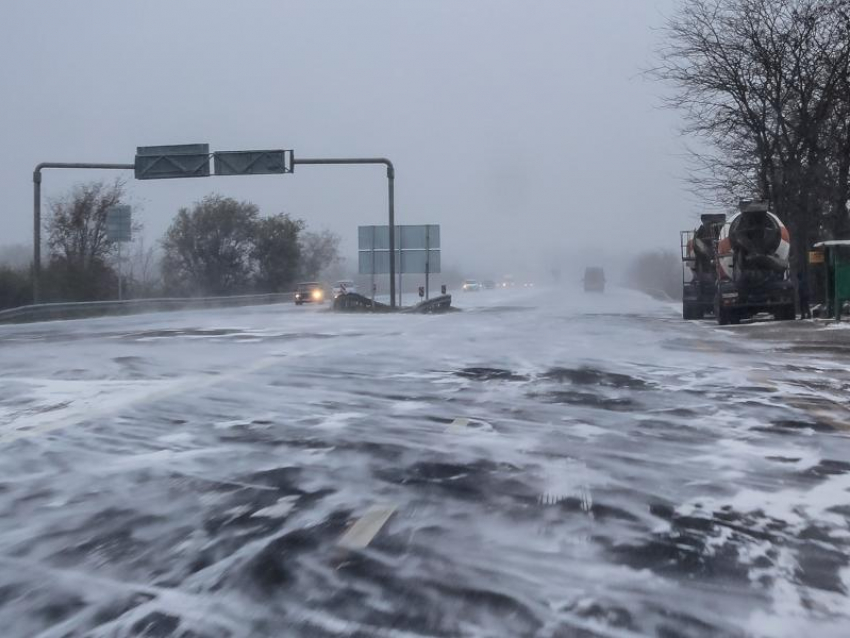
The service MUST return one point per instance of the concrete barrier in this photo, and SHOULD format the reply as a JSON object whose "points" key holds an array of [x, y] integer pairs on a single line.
{"points": [[82, 310], [435, 305]]}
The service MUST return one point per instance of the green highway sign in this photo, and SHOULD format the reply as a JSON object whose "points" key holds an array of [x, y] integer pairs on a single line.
{"points": [[170, 162], [252, 162]]}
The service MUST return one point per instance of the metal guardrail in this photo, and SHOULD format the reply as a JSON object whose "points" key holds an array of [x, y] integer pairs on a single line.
{"points": [[86, 309]]}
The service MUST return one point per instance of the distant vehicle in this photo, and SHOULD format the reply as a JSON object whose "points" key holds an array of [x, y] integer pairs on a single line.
{"points": [[488, 284], [309, 292], [594, 279], [528, 284], [343, 287], [471, 285], [507, 282]]}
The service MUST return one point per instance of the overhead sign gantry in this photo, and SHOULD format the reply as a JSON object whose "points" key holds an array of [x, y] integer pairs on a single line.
{"points": [[193, 160]]}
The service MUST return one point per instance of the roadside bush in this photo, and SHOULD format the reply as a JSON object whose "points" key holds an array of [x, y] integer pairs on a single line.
{"points": [[658, 274], [15, 288]]}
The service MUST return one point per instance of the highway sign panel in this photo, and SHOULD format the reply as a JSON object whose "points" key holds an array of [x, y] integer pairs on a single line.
{"points": [[252, 162], [119, 224], [423, 236], [417, 249], [170, 162], [408, 262]]}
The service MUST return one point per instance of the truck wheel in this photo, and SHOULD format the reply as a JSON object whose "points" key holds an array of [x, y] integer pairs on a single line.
{"points": [[785, 313], [690, 312]]}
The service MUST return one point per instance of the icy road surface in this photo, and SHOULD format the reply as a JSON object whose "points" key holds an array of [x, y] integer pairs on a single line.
{"points": [[538, 465]]}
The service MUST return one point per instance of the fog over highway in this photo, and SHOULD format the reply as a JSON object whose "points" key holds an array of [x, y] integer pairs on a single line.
{"points": [[544, 463]]}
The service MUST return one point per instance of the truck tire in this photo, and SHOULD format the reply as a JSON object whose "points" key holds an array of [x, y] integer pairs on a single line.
{"points": [[785, 313], [691, 311]]}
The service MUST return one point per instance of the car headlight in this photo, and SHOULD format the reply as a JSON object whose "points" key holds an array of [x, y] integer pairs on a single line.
{"points": [[317, 295]]}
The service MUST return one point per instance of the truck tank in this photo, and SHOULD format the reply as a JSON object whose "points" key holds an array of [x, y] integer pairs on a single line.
{"points": [[699, 269], [752, 266]]}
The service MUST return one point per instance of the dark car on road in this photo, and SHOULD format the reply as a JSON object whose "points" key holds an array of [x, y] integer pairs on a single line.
{"points": [[594, 279], [309, 292]]}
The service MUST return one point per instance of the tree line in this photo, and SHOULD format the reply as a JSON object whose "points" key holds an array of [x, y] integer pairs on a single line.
{"points": [[218, 246], [764, 86]]}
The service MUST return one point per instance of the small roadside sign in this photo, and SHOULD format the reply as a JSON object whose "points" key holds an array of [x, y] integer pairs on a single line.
{"points": [[119, 224]]}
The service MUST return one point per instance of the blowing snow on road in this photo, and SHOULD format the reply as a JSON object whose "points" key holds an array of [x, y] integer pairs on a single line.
{"points": [[536, 465]]}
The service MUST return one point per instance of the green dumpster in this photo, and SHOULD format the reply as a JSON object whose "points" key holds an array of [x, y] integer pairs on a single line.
{"points": [[837, 274]]}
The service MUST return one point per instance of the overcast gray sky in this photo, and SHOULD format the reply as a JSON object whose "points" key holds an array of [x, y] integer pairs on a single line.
{"points": [[524, 128]]}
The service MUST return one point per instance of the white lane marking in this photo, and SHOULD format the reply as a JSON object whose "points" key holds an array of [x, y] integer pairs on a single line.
{"points": [[367, 527], [458, 425], [279, 510]]}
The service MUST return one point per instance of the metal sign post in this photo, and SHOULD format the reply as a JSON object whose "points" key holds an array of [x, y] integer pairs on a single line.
{"points": [[120, 275], [119, 229], [427, 259], [372, 283]]}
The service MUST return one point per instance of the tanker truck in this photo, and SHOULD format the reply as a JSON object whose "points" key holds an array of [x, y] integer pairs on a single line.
{"points": [[699, 268], [752, 266]]}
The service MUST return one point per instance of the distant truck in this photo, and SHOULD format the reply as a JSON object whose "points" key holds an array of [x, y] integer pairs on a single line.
{"points": [[752, 266], [699, 266], [594, 279]]}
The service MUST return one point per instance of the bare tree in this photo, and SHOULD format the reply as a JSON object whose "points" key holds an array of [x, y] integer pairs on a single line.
{"points": [[76, 238], [143, 273], [763, 85]]}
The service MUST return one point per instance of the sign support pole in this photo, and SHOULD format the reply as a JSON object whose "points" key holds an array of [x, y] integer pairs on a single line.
{"points": [[390, 192], [427, 261], [400, 267], [120, 275], [372, 282]]}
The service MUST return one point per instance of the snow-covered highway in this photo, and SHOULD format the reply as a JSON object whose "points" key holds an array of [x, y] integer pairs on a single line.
{"points": [[541, 464]]}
